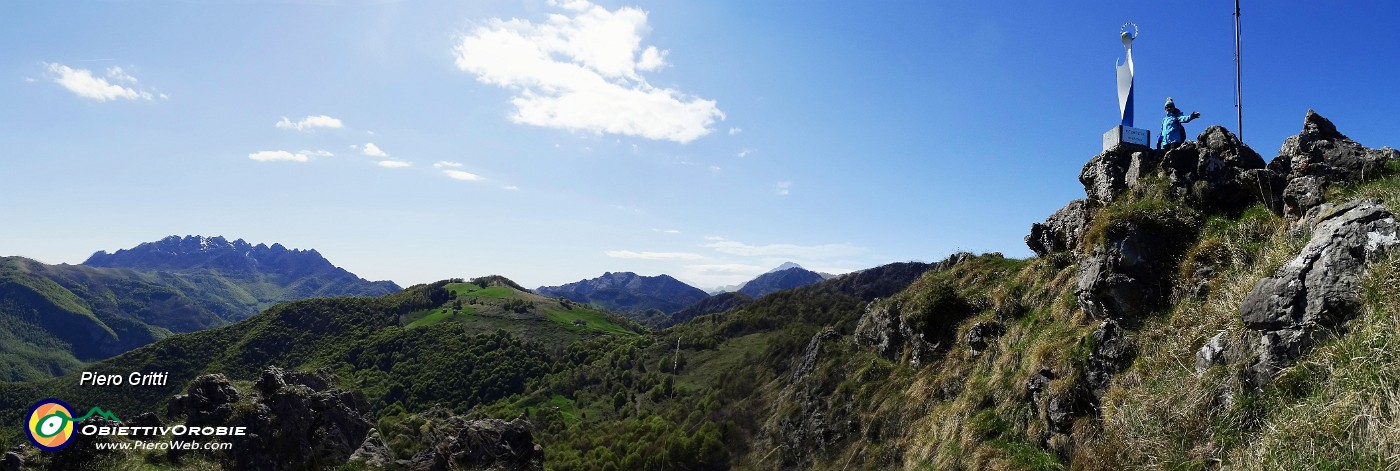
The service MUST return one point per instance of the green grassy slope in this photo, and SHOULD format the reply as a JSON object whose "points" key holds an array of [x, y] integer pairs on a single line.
{"points": [[58, 317]]}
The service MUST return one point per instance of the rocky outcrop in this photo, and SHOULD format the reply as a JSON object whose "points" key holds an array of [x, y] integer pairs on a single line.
{"points": [[1319, 289], [1130, 274], [980, 335], [1062, 230], [294, 421], [1321, 156], [301, 424], [813, 351], [899, 330], [1217, 173], [1111, 351], [1109, 174], [456, 443], [373, 452], [208, 401]]}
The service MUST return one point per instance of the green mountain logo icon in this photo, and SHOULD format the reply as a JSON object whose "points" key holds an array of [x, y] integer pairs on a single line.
{"points": [[100, 413]]}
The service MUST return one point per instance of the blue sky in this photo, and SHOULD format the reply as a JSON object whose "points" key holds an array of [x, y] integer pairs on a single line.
{"points": [[550, 142]]}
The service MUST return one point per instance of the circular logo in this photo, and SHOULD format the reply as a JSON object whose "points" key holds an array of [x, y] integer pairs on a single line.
{"points": [[50, 424]]}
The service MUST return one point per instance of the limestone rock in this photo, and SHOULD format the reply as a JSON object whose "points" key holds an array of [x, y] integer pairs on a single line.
{"points": [[813, 351], [1212, 173], [1112, 172], [208, 401], [1320, 150], [1321, 287], [980, 335], [486, 444], [1129, 275], [373, 452], [1112, 351], [1062, 230]]}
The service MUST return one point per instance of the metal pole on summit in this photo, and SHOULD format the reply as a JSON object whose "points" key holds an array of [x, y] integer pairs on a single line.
{"points": [[1239, 87]]}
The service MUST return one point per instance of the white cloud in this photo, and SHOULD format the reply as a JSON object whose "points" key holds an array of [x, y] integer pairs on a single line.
{"points": [[84, 84], [580, 71], [461, 175], [667, 231], [445, 163], [715, 168], [309, 122], [784, 188], [373, 151], [395, 164], [628, 254], [282, 155], [116, 73], [735, 131], [30, 80], [808, 252], [510, 187], [744, 153]]}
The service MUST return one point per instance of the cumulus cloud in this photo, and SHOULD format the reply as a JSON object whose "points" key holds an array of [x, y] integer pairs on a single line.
{"points": [[445, 164], [282, 155], [309, 122], [373, 151], [395, 164], [735, 131], [461, 175], [630, 255], [809, 252], [784, 188], [582, 70], [84, 84], [744, 153]]}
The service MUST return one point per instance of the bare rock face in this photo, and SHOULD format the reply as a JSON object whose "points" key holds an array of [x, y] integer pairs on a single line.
{"points": [[208, 401], [1109, 174], [1213, 174], [1320, 288], [456, 443], [1062, 230], [1130, 274], [294, 421], [1112, 352], [980, 335], [1320, 156], [373, 452]]}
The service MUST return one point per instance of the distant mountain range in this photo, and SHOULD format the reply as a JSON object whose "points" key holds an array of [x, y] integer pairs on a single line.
{"points": [[660, 301], [59, 316], [779, 268], [646, 299], [788, 276]]}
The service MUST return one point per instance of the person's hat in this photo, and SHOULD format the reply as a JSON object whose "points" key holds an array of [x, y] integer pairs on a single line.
{"points": [[1170, 105]]}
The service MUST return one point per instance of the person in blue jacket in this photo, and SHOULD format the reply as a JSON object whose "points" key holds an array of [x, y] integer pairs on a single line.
{"points": [[1173, 132]]}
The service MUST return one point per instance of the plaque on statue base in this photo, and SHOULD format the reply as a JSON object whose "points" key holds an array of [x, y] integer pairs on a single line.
{"points": [[1126, 135]]}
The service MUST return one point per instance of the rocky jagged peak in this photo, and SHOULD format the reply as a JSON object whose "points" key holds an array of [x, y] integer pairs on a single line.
{"points": [[192, 251], [1316, 127]]}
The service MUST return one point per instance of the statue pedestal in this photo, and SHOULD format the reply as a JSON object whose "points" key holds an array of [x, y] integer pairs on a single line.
{"points": [[1126, 135]]}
